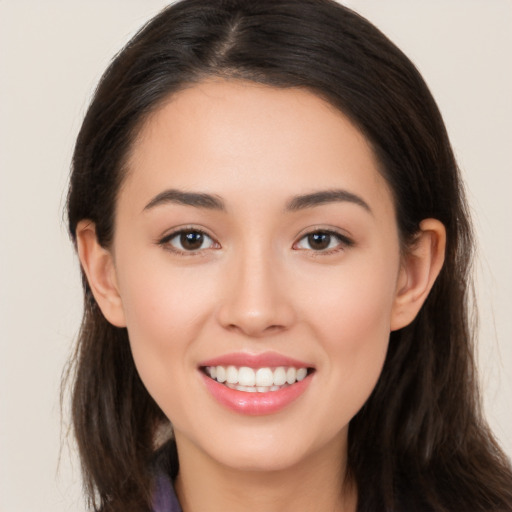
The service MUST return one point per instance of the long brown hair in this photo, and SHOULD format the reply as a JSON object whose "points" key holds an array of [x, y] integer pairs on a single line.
{"points": [[420, 441]]}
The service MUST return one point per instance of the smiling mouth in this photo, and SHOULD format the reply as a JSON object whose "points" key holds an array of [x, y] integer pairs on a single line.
{"points": [[256, 380]]}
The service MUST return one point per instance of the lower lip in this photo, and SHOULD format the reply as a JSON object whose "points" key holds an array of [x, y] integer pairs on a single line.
{"points": [[255, 404]]}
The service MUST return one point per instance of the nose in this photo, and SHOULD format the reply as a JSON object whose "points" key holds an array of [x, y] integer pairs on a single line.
{"points": [[256, 302]]}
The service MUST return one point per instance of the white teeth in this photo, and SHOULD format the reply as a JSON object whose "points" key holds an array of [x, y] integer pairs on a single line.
{"points": [[221, 374], [279, 376], [246, 376], [260, 380], [291, 375], [264, 377], [248, 389], [301, 374], [232, 375]]}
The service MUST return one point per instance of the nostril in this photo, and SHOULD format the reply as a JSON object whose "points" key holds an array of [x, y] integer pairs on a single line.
{"points": [[254, 327], [272, 328]]}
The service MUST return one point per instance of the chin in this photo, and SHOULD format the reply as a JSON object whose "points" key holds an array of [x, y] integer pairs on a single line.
{"points": [[269, 449], [258, 460]]}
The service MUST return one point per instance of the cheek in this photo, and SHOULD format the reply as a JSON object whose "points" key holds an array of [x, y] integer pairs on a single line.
{"points": [[165, 311], [162, 301], [352, 319], [354, 302]]}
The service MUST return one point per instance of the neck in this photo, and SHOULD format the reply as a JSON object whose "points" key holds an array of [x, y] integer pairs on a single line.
{"points": [[317, 483]]}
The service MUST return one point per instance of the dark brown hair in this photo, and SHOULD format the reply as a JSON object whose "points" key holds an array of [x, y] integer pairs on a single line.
{"points": [[420, 441]]}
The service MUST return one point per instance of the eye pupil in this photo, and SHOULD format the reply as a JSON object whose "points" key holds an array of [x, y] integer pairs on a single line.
{"points": [[319, 240], [191, 240]]}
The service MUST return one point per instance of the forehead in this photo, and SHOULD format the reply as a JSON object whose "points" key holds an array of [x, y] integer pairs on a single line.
{"points": [[238, 137]]}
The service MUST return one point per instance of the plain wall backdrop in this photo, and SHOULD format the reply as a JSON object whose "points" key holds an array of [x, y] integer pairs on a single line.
{"points": [[52, 54]]}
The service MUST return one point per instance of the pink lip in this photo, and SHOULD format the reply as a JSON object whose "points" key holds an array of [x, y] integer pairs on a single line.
{"points": [[264, 360], [255, 404]]}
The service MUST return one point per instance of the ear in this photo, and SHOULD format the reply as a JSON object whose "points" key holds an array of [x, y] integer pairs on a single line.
{"points": [[420, 268], [98, 265]]}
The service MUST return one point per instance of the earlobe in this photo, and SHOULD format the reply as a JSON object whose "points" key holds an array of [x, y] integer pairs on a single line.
{"points": [[98, 265], [420, 268]]}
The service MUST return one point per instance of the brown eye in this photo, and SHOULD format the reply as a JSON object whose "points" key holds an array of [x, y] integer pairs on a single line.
{"points": [[323, 241], [319, 241], [192, 240], [188, 241]]}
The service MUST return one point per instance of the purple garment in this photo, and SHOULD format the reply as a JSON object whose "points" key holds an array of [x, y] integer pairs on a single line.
{"points": [[165, 499]]}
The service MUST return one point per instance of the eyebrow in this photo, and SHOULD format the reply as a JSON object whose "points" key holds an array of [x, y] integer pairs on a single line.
{"points": [[196, 199], [212, 202], [324, 197]]}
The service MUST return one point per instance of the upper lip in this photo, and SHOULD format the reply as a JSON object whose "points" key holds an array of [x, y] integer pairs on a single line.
{"points": [[263, 360]]}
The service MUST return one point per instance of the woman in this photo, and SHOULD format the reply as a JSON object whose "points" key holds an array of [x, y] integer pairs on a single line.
{"points": [[276, 249]]}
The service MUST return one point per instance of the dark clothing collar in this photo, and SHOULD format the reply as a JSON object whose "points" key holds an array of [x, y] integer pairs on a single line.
{"points": [[165, 499]]}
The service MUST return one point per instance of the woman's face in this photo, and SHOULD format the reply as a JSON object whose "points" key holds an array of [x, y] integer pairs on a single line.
{"points": [[254, 231]]}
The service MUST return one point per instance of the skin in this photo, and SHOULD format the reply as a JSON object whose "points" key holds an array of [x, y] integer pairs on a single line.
{"points": [[257, 285]]}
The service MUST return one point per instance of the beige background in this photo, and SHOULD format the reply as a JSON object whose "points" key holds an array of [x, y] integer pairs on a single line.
{"points": [[51, 56]]}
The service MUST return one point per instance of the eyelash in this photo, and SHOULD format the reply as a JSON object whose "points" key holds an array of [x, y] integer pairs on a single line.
{"points": [[343, 242], [166, 241]]}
